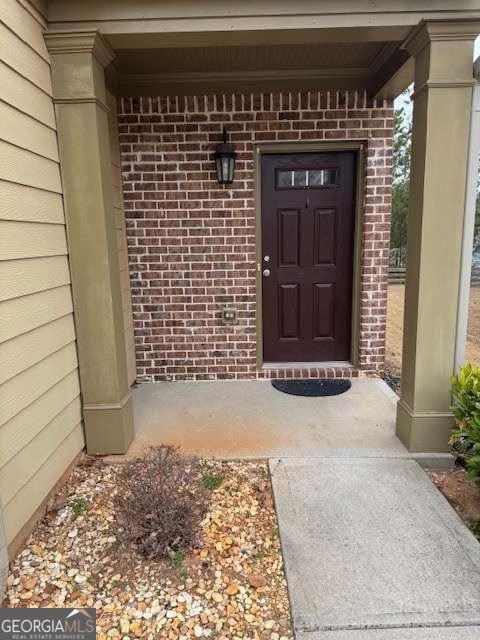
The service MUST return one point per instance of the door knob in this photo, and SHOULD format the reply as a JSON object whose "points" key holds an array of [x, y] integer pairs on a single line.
{"points": [[266, 272]]}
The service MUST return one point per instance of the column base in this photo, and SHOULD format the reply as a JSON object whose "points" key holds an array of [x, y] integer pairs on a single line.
{"points": [[108, 427], [423, 432]]}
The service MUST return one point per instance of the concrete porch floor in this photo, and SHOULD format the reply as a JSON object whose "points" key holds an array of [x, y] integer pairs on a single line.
{"points": [[237, 419]]}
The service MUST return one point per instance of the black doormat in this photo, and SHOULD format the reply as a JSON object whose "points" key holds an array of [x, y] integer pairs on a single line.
{"points": [[312, 388]]}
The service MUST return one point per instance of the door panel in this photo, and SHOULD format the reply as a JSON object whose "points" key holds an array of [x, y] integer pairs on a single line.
{"points": [[307, 233], [324, 236], [289, 310], [288, 237], [323, 310]]}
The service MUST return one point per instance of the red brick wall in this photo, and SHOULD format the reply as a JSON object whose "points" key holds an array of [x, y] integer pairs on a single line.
{"points": [[192, 242]]}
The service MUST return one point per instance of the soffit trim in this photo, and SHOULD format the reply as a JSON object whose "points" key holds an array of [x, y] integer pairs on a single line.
{"points": [[244, 76]]}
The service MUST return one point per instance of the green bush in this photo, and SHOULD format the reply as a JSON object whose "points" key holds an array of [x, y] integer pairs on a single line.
{"points": [[465, 440]]}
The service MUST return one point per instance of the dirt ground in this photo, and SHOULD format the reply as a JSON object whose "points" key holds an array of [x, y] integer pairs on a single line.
{"points": [[395, 327], [463, 495]]}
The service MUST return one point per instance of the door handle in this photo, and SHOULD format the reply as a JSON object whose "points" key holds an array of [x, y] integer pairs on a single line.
{"points": [[266, 273]]}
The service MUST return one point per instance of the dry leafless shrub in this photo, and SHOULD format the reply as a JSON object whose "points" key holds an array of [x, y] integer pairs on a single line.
{"points": [[161, 502]]}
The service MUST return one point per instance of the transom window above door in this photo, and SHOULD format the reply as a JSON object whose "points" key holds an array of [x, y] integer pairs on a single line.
{"points": [[305, 178]]}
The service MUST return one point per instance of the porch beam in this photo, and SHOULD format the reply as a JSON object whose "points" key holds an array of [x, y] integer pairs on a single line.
{"points": [[78, 62], [443, 53], [394, 78], [121, 18], [197, 83]]}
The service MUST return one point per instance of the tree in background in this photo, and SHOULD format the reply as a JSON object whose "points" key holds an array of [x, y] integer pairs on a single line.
{"points": [[401, 178]]}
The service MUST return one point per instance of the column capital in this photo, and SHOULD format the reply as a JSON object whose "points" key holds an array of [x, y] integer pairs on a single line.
{"points": [[435, 30], [79, 59], [92, 42]]}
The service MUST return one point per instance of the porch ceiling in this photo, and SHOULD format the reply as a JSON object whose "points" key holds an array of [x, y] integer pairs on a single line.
{"points": [[257, 67], [248, 58]]}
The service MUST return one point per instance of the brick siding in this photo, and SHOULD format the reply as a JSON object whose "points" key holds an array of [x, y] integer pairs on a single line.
{"points": [[191, 242]]}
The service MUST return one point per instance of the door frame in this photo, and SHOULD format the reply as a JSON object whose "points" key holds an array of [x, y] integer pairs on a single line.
{"points": [[359, 147]]}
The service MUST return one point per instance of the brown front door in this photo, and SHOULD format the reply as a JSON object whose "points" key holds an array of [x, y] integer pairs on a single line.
{"points": [[307, 256]]}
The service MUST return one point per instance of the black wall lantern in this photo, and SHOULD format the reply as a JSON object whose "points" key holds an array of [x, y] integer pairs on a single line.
{"points": [[225, 157]]}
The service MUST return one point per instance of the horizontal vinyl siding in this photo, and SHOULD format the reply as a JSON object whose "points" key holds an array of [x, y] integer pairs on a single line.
{"points": [[16, 433], [21, 277], [16, 54], [25, 96], [27, 386], [16, 512], [40, 412], [31, 240], [23, 24], [30, 169], [28, 349], [25, 313], [29, 459], [28, 204], [23, 131]]}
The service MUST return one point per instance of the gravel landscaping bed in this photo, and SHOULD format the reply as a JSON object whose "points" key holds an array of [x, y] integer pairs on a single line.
{"points": [[231, 586], [392, 379]]}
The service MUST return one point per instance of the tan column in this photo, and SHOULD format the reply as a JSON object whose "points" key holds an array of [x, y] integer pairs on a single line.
{"points": [[443, 53], [78, 61]]}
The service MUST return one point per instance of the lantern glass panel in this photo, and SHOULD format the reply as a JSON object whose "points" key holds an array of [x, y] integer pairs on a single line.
{"points": [[225, 163], [231, 167], [218, 164]]}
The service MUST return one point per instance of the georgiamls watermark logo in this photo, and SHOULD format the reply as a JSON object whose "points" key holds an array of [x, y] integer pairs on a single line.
{"points": [[47, 624]]}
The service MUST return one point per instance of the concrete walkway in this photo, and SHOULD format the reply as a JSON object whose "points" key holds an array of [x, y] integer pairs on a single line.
{"points": [[236, 419], [374, 552]]}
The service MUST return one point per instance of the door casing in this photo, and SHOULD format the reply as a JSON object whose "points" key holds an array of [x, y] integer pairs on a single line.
{"points": [[359, 146]]}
